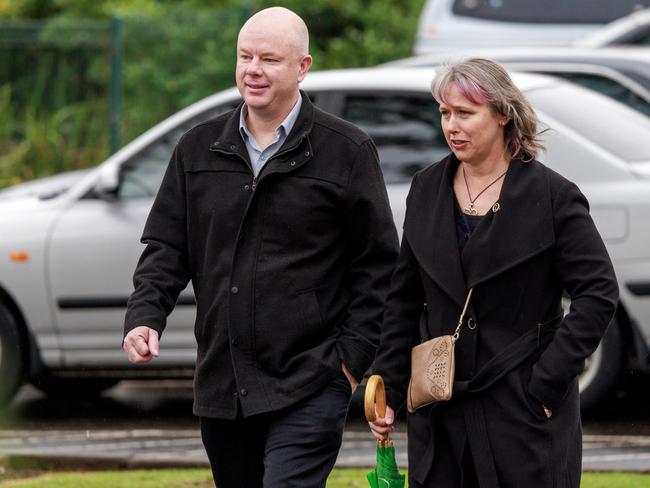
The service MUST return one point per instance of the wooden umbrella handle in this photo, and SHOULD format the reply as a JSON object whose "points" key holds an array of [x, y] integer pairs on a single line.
{"points": [[375, 395]]}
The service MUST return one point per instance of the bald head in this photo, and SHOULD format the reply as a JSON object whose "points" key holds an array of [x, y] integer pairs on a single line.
{"points": [[282, 22], [272, 59]]}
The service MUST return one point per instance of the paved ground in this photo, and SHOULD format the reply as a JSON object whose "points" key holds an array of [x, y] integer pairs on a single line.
{"points": [[182, 447], [145, 424]]}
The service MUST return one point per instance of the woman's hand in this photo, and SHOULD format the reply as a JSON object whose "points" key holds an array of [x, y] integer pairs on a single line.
{"points": [[382, 426]]}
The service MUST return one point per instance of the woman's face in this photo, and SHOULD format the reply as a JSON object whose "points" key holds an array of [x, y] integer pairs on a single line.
{"points": [[474, 132]]}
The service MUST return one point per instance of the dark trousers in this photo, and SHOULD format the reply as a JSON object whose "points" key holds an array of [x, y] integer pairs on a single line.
{"points": [[293, 447]]}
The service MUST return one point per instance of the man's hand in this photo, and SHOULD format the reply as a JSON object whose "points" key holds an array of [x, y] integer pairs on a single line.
{"points": [[383, 426], [353, 382], [141, 344]]}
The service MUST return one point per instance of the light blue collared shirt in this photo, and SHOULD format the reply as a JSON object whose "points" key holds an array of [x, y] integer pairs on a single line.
{"points": [[258, 156]]}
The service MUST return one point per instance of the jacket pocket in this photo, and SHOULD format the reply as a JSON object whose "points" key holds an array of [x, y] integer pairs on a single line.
{"points": [[534, 406]]}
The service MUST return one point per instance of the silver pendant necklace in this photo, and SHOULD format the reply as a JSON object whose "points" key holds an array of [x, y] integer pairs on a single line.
{"points": [[470, 210]]}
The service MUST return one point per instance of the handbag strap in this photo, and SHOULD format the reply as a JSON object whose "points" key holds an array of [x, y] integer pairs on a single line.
{"points": [[462, 315]]}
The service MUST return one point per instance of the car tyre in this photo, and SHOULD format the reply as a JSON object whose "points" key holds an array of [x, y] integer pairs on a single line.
{"points": [[602, 370], [12, 353]]}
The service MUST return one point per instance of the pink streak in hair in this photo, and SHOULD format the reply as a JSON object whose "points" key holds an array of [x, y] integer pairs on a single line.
{"points": [[469, 89]]}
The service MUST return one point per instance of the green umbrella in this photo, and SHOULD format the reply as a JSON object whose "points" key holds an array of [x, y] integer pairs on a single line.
{"points": [[385, 474]]}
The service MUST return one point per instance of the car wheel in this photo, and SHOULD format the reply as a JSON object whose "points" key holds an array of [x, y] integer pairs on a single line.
{"points": [[602, 370], [73, 387], [11, 356]]}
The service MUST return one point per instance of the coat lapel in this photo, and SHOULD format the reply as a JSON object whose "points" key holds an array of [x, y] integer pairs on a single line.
{"points": [[431, 229], [520, 228]]}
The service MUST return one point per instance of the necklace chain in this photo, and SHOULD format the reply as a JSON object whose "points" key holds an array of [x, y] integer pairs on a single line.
{"points": [[470, 210]]}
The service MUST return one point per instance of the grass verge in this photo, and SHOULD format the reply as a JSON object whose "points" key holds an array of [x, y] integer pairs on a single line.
{"points": [[200, 478]]}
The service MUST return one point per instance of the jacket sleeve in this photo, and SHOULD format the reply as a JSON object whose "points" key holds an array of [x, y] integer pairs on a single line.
{"points": [[400, 331], [584, 268], [162, 271], [372, 251]]}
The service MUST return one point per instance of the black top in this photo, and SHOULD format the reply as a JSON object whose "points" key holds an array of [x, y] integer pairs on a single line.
{"points": [[465, 225]]}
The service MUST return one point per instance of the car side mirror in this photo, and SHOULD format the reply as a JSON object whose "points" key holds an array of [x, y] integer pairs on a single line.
{"points": [[108, 181]]}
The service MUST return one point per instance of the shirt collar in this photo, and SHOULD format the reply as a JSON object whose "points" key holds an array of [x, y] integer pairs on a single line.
{"points": [[286, 125]]}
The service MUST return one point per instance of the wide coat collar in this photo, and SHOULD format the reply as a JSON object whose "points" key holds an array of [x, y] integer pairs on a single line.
{"points": [[519, 227]]}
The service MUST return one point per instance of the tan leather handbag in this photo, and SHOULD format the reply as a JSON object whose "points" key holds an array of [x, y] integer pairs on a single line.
{"points": [[432, 368]]}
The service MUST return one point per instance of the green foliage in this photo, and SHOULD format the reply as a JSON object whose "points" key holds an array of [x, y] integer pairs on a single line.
{"points": [[57, 74], [173, 61], [356, 33], [34, 144], [27, 9]]}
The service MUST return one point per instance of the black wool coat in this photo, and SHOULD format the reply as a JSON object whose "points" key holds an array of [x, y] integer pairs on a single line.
{"points": [[536, 243], [290, 269]]}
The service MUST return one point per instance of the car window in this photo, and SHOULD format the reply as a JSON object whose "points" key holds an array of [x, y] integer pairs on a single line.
{"points": [[548, 11], [606, 86], [612, 126], [405, 128], [141, 176], [637, 39]]}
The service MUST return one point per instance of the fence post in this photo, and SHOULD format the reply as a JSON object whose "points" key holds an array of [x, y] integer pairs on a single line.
{"points": [[117, 49]]}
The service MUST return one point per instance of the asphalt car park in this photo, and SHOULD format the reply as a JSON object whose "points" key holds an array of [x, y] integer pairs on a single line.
{"points": [[67, 257]]}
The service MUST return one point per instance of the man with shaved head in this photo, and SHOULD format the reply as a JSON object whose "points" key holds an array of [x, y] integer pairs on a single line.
{"points": [[278, 214]]}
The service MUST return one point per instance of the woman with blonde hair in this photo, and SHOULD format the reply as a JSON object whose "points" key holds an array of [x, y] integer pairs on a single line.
{"points": [[491, 218]]}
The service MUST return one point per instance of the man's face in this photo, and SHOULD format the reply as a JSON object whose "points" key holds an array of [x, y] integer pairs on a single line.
{"points": [[269, 69]]}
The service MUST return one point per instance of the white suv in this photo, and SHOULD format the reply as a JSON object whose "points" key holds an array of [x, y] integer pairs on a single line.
{"points": [[66, 259]]}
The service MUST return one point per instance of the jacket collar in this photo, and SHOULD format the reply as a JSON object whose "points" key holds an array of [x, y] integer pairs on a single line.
{"points": [[519, 228], [230, 140]]}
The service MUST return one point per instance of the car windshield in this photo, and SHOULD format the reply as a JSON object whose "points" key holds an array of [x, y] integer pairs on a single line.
{"points": [[611, 125], [549, 11]]}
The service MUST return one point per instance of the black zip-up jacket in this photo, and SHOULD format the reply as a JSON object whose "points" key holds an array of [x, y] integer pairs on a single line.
{"points": [[290, 269]]}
